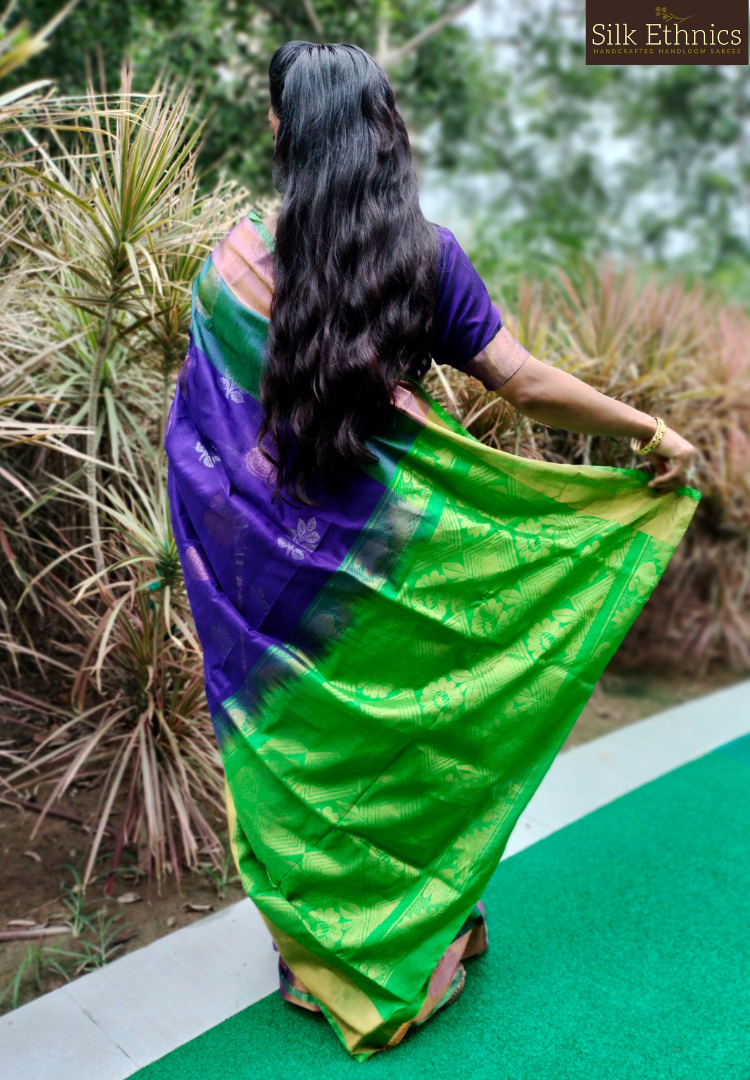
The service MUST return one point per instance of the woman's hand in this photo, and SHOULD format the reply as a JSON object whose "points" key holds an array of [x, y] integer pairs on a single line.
{"points": [[561, 400], [673, 460]]}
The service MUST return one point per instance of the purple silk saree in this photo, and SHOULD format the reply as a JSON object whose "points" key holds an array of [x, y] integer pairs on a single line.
{"points": [[390, 673]]}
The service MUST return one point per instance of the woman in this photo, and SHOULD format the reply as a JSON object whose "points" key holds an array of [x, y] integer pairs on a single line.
{"points": [[400, 624]]}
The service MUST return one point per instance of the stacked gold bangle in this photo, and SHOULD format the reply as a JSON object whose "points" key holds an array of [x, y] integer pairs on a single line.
{"points": [[637, 444]]}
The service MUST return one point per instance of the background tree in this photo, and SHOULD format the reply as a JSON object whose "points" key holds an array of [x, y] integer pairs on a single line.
{"points": [[442, 74], [647, 161], [541, 157]]}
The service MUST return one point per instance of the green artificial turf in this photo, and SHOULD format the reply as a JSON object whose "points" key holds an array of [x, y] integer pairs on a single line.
{"points": [[620, 948]]}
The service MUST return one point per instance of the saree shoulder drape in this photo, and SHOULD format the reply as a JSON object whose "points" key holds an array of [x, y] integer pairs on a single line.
{"points": [[391, 672]]}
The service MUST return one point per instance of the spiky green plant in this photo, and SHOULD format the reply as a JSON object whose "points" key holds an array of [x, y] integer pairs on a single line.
{"points": [[109, 232], [138, 716], [117, 222]]}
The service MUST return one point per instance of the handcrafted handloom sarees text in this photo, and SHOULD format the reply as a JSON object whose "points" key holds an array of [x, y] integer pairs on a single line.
{"points": [[692, 32]]}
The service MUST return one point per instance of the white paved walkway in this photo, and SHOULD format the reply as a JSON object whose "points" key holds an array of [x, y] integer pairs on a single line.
{"points": [[107, 1025]]}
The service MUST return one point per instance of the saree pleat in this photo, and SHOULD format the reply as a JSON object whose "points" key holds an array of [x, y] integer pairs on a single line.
{"points": [[391, 672]]}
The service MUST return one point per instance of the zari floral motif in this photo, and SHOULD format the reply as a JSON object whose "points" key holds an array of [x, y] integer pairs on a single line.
{"points": [[305, 538]]}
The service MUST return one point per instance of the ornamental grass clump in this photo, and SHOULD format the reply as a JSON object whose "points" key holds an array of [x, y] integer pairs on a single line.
{"points": [[109, 230], [137, 723], [116, 229]]}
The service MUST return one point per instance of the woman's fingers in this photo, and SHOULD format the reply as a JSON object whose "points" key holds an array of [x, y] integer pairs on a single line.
{"points": [[671, 474], [672, 462], [668, 482]]}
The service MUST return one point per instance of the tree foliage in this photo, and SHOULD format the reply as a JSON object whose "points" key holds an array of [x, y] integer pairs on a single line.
{"points": [[548, 157], [223, 48], [652, 162]]}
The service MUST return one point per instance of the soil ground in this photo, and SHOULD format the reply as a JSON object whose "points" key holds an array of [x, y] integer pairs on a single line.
{"points": [[35, 866]]}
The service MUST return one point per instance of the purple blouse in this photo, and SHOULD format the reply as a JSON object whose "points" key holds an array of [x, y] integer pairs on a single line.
{"points": [[466, 320]]}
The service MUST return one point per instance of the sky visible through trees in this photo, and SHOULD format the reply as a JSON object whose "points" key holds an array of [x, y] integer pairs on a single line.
{"points": [[529, 154], [651, 162]]}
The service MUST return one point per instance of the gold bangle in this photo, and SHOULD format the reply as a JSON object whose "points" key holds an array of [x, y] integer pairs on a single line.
{"points": [[636, 445]]}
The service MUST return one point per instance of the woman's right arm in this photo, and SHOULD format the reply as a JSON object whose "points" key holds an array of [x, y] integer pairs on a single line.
{"points": [[559, 399]]}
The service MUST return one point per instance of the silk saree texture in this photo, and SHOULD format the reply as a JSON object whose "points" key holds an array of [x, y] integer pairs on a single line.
{"points": [[391, 672]]}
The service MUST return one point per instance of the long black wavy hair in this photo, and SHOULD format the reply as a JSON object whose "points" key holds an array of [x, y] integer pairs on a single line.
{"points": [[355, 259]]}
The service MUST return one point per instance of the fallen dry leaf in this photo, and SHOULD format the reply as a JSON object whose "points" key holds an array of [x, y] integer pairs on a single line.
{"points": [[61, 738], [197, 907], [129, 898]]}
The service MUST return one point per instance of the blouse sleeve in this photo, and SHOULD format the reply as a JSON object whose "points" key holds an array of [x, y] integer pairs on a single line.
{"points": [[466, 320]]}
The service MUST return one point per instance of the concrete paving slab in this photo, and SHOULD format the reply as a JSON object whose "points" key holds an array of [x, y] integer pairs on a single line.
{"points": [[526, 833], [589, 776], [52, 1038], [157, 998]]}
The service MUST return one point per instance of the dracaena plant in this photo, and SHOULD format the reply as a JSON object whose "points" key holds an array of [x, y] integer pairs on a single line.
{"points": [[137, 719], [109, 202], [109, 230]]}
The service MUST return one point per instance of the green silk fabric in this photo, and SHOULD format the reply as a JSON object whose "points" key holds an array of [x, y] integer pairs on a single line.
{"points": [[376, 785]]}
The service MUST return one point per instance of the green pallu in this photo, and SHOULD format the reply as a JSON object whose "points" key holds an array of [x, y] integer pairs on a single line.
{"points": [[391, 672], [376, 784]]}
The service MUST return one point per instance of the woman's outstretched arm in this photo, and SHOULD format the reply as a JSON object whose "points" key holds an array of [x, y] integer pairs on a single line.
{"points": [[561, 400]]}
